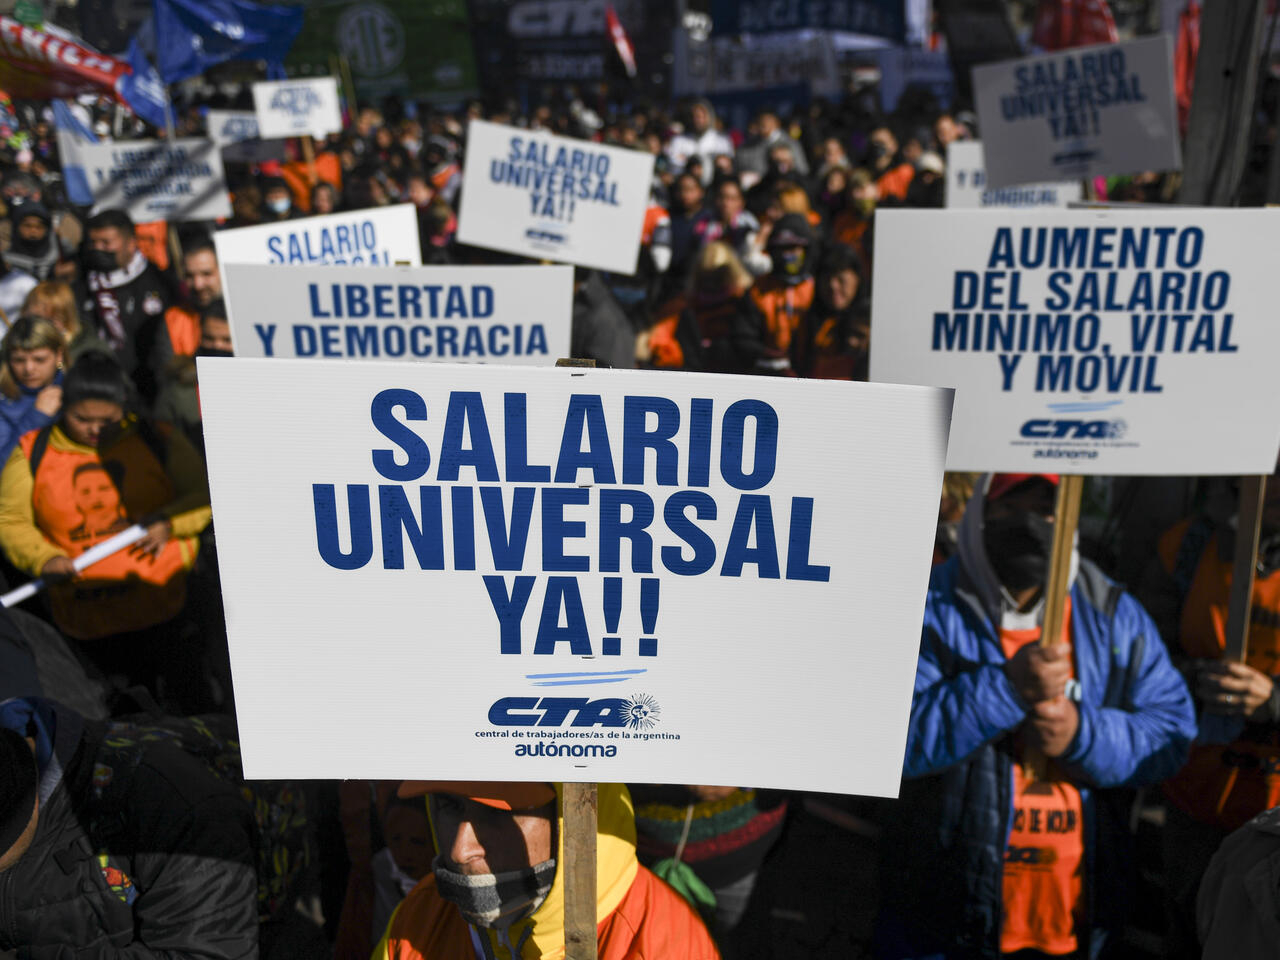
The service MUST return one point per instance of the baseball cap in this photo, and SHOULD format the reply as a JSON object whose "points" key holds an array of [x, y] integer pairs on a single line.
{"points": [[492, 793], [1002, 483]]}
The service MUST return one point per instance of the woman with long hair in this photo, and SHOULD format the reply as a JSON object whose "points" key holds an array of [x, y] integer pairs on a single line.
{"points": [[55, 301]]}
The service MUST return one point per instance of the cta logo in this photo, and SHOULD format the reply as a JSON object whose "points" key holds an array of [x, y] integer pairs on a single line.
{"points": [[1047, 428], [639, 712], [298, 101]]}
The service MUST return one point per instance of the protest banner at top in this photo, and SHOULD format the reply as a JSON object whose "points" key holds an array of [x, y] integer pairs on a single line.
{"points": [[1091, 111], [514, 315], [543, 196], [967, 184], [148, 179], [877, 18], [572, 574], [297, 108], [1095, 342]]}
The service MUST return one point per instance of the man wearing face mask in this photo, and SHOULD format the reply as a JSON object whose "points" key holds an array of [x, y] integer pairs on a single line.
{"points": [[1011, 834], [496, 890], [129, 300], [762, 335], [277, 201]]}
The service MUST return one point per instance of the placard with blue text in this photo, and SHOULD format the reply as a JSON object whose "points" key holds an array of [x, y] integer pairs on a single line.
{"points": [[1082, 341], [967, 186], [378, 237], [514, 315], [514, 573], [297, 108], [149, 179], [554, 198], [1093, 111], [236, 132]]}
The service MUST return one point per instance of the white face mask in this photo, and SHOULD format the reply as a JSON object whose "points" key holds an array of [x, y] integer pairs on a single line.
{"points": [[279, 205]]}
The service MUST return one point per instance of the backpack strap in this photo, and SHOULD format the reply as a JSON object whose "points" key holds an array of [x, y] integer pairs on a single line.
{"points": [[38, 447]]}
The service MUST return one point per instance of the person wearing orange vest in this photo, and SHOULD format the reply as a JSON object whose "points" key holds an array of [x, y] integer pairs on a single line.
{"points": [[80, 481], [762, 337], [1223, 785], [200, 267], [496, 890]]}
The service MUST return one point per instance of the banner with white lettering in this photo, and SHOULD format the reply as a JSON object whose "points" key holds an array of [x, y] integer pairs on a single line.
{"points": [[518, 315], [967, 184], [1092, 111], [555, 198], [524, 573], [297, 108], [149, 179], [1094, 342]]}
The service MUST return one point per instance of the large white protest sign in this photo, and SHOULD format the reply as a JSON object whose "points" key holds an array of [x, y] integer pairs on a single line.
{"points": [[380, 236], [1097, 342], [571, 574], [543, 196], [150, 179], [967, 184], [516, 315], [1106, 109], [297, 108]]}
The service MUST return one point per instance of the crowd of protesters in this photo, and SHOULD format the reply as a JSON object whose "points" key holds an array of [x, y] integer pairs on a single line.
{"points": [[126, 831]]}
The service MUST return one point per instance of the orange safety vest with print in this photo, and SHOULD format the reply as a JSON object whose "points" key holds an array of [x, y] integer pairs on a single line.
{"points": [[81, 497], [782, 305], [184, 330], [1224, 785], [1043, 863]]}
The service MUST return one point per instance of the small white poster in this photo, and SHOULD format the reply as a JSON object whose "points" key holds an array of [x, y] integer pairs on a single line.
{"points": [[297, 108], [547, 197], [1091, 111], [967, 186], [1096, 342], [514, 315]]}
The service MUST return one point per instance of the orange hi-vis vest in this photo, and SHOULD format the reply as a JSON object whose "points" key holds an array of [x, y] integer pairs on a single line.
{"points": [[783, 305], [81, 497]]}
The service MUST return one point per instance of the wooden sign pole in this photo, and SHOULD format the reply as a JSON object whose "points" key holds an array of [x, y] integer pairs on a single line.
{"points": [[1066, 517], [581, 819], [309, 154], [1245, 565]]}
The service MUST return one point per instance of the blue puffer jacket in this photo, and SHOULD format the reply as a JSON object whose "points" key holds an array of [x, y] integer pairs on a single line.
{"points": [[945, 844]]}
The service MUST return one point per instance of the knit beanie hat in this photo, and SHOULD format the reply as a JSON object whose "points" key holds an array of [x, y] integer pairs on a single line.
{"points": [[18, 779]]}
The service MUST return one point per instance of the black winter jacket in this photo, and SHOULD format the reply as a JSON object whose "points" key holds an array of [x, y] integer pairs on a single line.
{"points": [[140, 851]]}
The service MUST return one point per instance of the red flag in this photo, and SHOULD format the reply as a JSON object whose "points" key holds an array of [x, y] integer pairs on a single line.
{"points": [[1185, 53], [1061, 24], [621, 42], [37, 65]]}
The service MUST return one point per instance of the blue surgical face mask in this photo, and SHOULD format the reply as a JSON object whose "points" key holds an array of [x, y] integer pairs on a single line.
{"points": [[279, 205]]}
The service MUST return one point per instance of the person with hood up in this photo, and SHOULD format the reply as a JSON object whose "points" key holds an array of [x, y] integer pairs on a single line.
{"points": [[34, 247], [441, 167], [1011, 833], [762, 336], [496, 890]]}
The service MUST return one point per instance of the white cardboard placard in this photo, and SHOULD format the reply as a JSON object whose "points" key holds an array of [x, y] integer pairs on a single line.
{"points": [[1091, 111], [548, 197], [297, 108], [152, 179], [763, 620], [381, 236], [513, 315], [1082, 341], [967, 184], [231, 126]]}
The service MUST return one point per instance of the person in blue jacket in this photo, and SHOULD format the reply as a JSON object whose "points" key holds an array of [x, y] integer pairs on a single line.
{"points": [[1011, 835], [30, 379]]}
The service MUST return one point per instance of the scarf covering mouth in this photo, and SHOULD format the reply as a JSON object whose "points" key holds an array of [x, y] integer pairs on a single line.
{"points": [[495, 900]]}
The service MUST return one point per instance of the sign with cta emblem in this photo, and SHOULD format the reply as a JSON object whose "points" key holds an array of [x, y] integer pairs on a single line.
{"points": [[297, 108], [602, 575], [1087, 342]]}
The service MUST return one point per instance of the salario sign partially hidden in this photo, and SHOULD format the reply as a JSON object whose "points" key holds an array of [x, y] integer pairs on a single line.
{"points": [[572, 574], [1093, 342]]}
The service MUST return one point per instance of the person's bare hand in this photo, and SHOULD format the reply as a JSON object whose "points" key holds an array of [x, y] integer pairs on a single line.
{"points": [[49, 400], [1052, 725], [1040, 673], [158, 534], [1233, 689], [59, 568]]}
